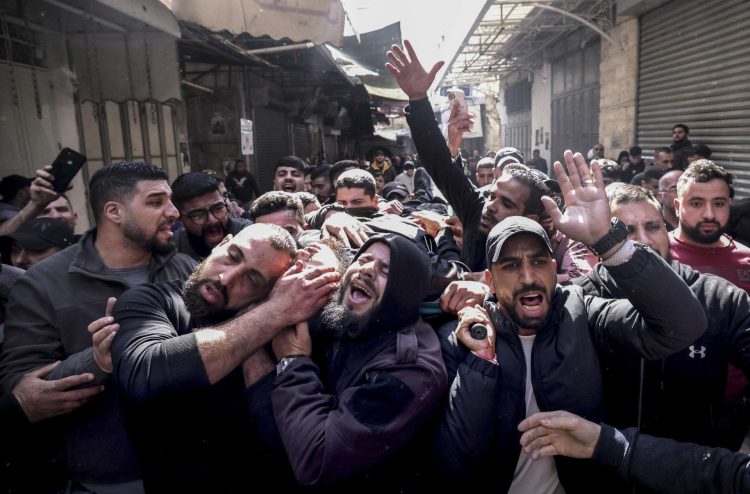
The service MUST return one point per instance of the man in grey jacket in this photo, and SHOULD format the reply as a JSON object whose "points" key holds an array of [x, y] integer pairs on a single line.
{"points": [[61, 300]]}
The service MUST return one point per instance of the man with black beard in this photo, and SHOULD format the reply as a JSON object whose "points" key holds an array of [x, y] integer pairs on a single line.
{"points": [[204, 214], [51, 309], [543, 342], [704, 199], [186, 351], [377, 375], [682, 396]]}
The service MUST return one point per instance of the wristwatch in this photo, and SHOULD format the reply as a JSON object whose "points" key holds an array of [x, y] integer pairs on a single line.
{"points": [[617, 233], [284, 363]]}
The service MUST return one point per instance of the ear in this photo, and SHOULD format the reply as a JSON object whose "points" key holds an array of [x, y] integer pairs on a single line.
{"points": [[375, 200], [114, 212], [676, 207], [488, 280]]}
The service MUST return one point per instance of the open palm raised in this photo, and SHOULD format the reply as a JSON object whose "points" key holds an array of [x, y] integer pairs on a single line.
{"points": [[587, 217]]}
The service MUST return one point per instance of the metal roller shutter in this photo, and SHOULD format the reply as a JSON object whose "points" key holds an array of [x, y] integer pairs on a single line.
{"points": [[695, 69], [271, 143], [302, 141]]}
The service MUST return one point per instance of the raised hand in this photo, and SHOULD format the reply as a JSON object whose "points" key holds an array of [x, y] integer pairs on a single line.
{"points": [[587, 216], [411, 76], [458, 125], [41, 190]]}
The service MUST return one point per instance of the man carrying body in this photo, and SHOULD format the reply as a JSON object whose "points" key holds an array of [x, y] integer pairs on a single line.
{"points": [[52, 307], [498, 383], [204, 214], [682, 396], [186, 351], [384, 375]]}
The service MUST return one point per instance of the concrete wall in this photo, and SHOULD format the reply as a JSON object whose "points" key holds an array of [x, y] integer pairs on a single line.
{"points": [[494, 116], [618, 78], [541, 111]]}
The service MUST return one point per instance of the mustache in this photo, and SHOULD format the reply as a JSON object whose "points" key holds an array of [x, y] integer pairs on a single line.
{"points": [[710, 222], [371, 287], [533, 287]]}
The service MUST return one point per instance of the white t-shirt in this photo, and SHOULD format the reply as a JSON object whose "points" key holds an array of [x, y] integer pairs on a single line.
{"points": [[537, 476]]}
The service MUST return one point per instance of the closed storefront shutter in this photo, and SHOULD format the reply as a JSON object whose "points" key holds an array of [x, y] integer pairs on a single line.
{"points": [[695, 69], [271, 143], [302, 141], [575, 101]]}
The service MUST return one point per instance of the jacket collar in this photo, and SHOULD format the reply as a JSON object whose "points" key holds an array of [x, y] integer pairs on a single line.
{"points": [[88, 261]]}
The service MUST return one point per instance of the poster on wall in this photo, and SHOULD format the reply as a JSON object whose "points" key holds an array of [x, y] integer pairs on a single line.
{"points": [[246, 136]]}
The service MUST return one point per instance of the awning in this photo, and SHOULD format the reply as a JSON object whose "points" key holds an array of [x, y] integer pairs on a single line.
{"points": [[319, 21]]}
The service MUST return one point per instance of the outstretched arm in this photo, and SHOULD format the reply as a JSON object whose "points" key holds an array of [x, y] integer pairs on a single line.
{"points": [[660, 464], [415, 81]]}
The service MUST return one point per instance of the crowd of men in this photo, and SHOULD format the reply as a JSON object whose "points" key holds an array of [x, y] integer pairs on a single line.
{"points": [[396, 327]]}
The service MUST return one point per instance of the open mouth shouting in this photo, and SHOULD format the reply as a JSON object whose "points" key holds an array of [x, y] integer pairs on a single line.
{"points": [[359, 295], [213, 234], [532, 304], [289, 186]]}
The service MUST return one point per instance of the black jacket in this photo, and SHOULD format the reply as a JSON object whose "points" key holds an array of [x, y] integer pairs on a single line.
{"points": [[465, 199], [189, 435], [670, 467], [683, 394], [479, 431]]}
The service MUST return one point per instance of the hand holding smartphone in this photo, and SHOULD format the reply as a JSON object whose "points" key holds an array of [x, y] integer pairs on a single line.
{"points": [[65, 167], [456, 98]]}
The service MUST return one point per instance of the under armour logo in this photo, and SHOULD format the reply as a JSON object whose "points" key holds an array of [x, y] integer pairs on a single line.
{"points": [[693, 352]]}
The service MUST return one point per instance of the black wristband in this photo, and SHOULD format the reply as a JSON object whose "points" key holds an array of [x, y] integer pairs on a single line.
{"points": [[617, 233]]}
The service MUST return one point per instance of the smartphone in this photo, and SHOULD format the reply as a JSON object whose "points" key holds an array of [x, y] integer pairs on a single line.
{"points": [[65, 167], [456, 97]]}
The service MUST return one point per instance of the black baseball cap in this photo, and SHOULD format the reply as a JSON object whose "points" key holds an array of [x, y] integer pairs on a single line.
{"points": [[508, 152], [510, 226], [398, 188], [551, 183], [43, 233]]}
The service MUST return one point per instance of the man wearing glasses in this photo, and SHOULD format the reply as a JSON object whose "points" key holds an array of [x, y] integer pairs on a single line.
{"points": [[204, 214]]}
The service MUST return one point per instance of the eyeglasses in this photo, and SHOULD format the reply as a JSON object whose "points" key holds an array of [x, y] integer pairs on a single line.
{"points": [[671, 189], [200, 216]]}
